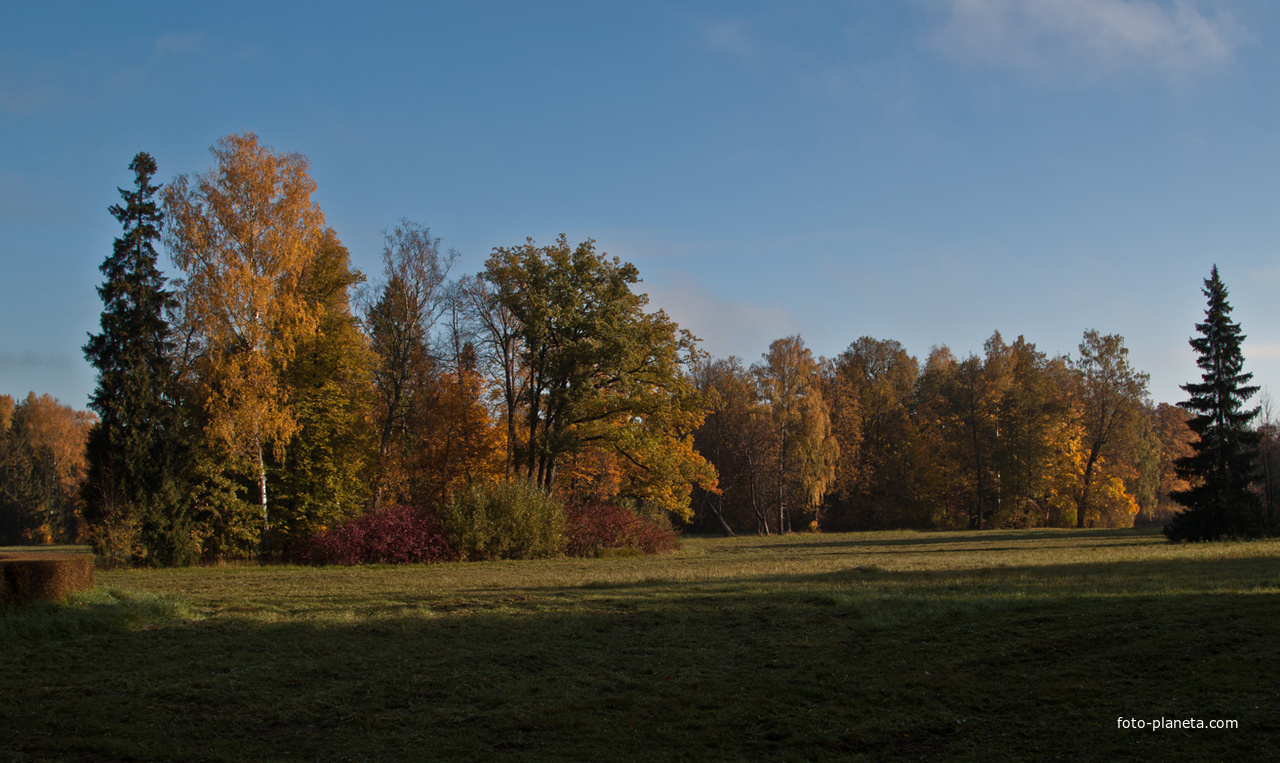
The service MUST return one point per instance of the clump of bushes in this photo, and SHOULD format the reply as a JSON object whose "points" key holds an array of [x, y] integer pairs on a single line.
{"points": [[504, 520], [604, 529], [393, 535], [490, 521]]}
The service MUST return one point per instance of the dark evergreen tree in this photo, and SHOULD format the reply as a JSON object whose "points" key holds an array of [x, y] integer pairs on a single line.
{"points": [[133, 505], [1220, 502]]}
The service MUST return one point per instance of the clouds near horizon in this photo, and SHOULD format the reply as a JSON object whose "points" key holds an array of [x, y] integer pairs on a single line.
{"points": [[724, 327]]}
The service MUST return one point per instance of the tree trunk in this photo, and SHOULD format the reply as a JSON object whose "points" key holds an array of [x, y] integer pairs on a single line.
{"points": [[782, 450], [762, 521], [262, 487], [717, 512], [512, 439], [1082, 509], [384, 444]]}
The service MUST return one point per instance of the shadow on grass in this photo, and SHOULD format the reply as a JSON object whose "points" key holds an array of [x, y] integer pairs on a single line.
{"points": [[811, 667]]}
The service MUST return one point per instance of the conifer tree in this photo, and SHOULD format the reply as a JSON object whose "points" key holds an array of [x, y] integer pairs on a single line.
{"points": [[1221, 468], [130, 499]]}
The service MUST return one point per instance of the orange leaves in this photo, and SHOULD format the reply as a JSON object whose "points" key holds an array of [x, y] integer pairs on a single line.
{"points": [[245, 236], [42, 465], [458, 443]]}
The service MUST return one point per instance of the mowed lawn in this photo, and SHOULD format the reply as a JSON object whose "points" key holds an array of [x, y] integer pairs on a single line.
{"points": [[1025, 645]]}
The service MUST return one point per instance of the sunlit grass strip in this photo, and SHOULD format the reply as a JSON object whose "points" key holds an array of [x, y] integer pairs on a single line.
{"points": [[97, 611]]}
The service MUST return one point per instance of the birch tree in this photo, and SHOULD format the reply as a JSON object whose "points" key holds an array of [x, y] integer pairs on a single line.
{"points": [[807, 451], [243, 234]]}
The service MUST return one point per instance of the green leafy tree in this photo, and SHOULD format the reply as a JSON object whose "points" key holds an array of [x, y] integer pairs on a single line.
{"points": [[598, 371], [322, 476], [737, 438], [883, 488], [988, 418], [1028, 407], [1220, 502], [975, 396], [132, 495], [945, 484]]}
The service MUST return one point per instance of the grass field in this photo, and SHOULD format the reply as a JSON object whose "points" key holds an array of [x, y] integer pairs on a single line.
{"points": [[991, 646]]}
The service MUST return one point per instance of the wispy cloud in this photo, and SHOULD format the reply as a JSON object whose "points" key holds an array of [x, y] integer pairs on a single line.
{"points": [[1261, 350], [1086, 39], [71, 81], [23, 98], [31, 361], [174, 44], [731, 37]]}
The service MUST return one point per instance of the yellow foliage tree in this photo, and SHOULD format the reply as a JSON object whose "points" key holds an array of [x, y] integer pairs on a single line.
{"points": [[1109, 502], [244, 234], [42, 466], [807, 451]]}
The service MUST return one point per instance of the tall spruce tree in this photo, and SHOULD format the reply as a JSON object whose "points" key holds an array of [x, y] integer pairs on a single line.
{"points": [[1221, 470], [132, 504]]}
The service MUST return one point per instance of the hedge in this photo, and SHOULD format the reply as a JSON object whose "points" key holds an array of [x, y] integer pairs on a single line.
{"points": [[32, 577]]}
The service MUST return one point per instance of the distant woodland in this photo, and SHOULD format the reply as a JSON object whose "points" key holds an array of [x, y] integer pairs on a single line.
{"points": [[271, 393]]}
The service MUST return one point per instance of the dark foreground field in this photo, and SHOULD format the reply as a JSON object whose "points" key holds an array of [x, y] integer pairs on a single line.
{"points": [[895, 646]]}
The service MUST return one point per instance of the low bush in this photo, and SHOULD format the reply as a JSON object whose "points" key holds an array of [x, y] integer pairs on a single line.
{"points": [[394, 535], [606, 529], [505, 520], [43, 576]]}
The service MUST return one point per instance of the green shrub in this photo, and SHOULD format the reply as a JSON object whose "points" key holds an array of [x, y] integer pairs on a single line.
{"points": [[504, 520]]}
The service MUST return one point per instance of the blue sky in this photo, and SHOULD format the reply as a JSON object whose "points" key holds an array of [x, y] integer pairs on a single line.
{"points": [[927, 170]]}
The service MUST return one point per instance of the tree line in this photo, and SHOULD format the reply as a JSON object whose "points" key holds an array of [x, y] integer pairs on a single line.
{"points": [[873, 439], [1012, 438], [271, 392]]}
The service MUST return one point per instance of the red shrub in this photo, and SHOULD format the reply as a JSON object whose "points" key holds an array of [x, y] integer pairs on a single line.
{"points": [[395, 535], [595, 526]]}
